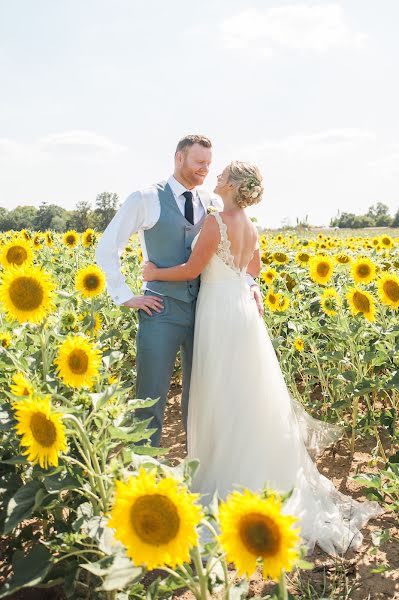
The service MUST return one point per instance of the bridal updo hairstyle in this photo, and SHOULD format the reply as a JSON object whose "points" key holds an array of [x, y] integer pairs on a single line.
{"points": [[247, 181]]}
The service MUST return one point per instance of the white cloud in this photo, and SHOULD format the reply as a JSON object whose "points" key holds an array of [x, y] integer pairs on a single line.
{"points": [[79, 141], [329, 141], [316, 27], [82, 145]]}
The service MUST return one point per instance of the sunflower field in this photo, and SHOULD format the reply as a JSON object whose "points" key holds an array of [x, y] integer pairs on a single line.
{"points": [[88, 509]]}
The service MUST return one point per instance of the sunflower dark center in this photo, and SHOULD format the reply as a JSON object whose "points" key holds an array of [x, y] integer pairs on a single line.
{"points": [[391, 288], [26, 293], [363, 270], [17, 255], [155, 519], [329, 303], [43, 430], [78, 361], [323, 269], [70, 240], [91, 281], [361, 302], [259, 534]]}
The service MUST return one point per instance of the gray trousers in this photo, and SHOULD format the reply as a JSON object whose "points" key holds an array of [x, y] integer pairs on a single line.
{"points": [[159, 338]]}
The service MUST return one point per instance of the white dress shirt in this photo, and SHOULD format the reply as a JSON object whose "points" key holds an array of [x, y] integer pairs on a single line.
{"points": [[140, 211]]}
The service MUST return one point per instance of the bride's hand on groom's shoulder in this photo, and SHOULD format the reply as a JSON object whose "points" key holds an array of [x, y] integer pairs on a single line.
{"points": [[149, 271]]}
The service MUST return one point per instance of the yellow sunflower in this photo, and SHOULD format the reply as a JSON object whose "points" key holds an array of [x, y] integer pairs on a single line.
{"points": [[271, 300], [321, 268], [78, 362], [90, 281], [386, 242], [254, 529], [16, 252], [49, 239], [330, 301], [388, 290], [269, 275], [97, 321], [42, 430], [343, 258], [26, 293], [21, 385], [25, 234], [266, 257], [283, 303], [70, 238], [5, 339], [361, 302], [299, 344], [280, 257], [88, 238], [302, 257], [155, 520], [37, 241], [289, 280], [363, 270]]}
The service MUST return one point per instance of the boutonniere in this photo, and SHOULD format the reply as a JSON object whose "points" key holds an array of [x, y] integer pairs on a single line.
{"points": [[211, 209]]}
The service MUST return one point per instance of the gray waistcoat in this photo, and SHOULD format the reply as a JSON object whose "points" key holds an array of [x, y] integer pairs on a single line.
{"points": [[168, 244]]}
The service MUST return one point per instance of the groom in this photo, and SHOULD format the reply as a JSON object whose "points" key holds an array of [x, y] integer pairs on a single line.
{"points": [[167, 217]]}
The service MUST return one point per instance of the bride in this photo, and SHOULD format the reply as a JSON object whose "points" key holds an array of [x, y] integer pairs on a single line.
{"points": [[243, 425]]}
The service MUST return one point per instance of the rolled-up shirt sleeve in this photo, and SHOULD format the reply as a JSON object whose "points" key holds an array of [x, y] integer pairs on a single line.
{"points": [[133, 215]]}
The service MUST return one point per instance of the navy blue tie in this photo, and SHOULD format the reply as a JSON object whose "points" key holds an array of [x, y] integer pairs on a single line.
{"points": [[188, 207]]}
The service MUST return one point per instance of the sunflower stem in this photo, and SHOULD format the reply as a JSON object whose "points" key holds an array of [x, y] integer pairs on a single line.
{"points": [[92, 317], [282, 587], [43, 344], [92, 457], [355, 410], [202, 577]]}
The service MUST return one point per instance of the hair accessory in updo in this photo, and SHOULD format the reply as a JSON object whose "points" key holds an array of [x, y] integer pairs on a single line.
{"points": [[247, 180]]}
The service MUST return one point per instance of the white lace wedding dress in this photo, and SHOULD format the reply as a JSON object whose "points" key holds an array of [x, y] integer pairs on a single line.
{"points": [[243, 425]]}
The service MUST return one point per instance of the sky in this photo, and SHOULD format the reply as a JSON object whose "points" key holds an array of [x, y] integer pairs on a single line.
{"points": [[94, 96]]}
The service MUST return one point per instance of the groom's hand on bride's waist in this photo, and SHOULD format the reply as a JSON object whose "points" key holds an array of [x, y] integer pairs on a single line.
{"points": [[146, 303]]}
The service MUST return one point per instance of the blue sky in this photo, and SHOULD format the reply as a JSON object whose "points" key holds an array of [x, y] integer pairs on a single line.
{"points": [[95, 94]]}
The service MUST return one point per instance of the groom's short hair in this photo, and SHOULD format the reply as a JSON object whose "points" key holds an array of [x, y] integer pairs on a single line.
{"points": [[190, 140]]}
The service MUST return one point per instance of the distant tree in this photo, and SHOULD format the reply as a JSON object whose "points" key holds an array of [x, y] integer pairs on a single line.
{"points": [[361, 221], [59, 223], [46, 214], [344, 220], [107, 203], [379, 213], [395, 221], [82, 217], [19, 218]]}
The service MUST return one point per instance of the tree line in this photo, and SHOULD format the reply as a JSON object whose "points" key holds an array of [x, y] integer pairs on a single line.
{"points": [[55, 218], [376, 216]]}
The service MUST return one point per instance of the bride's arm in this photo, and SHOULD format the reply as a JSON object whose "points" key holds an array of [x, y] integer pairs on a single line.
{"points": [[202, 253], [254, 266]]}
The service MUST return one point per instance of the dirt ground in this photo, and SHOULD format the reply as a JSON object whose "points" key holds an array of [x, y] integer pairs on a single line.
{"points": [[342, 575]]}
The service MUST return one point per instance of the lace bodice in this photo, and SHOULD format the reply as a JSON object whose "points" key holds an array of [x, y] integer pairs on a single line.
{"points": [[224, 248], [221, 267]]}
